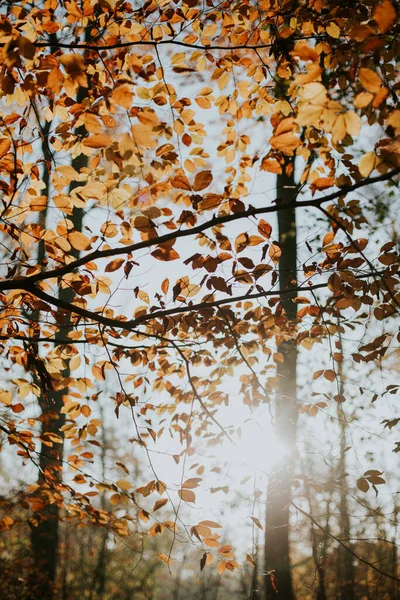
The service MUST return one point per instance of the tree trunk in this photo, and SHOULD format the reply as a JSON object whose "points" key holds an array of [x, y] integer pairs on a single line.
{"points": [[345, 559], [277, 557], [45, 532]]}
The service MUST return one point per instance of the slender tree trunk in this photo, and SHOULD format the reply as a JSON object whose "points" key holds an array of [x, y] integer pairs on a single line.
{"points": [[45, 532], [277, 555], [345, 559], [395, 589], [317, 545], [254, 590]]}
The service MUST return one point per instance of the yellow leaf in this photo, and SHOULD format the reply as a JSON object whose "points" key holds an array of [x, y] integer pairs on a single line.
{"points": [[367, 164], [5, 397], [191, 483], [160, 503], [124, 485], [352, 122], [144, 135], [333, 30], [363, 99]]}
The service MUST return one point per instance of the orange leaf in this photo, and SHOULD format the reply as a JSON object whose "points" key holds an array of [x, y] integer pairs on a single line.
{"points": [[385, 15], [370, 80], [5, 145], [286, 142], [122, 96]]}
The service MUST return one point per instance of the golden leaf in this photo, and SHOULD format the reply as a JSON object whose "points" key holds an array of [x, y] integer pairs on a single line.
{"points": [[79, 240], [367, 164], [98, 140], [370, 80], [122, 96]]}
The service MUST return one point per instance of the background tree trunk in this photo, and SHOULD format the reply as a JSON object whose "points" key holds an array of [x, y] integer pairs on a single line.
{"points": [[277, 555], [345, 559]]}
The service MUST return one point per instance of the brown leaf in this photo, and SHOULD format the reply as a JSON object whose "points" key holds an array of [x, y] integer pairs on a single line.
{"points": [[202, 180], [257, 522], [165, 254], [187, 495], [181, 182], [191, 483], [363, 484], [114, 265], [160, 503], [264, 228]]}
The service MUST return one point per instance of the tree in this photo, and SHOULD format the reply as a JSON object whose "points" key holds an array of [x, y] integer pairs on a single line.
{"points": [[140, 246]]}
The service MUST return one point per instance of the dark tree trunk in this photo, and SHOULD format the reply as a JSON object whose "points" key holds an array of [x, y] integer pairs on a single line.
{"points": [[277, 551], [45, 529]]}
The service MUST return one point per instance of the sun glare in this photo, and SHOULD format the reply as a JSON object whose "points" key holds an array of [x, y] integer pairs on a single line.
{"points": [[257, 446]]}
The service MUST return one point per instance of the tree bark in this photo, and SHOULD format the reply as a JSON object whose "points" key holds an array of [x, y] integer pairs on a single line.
{"points": [[345, 559], [277, 550], [45, 531]]}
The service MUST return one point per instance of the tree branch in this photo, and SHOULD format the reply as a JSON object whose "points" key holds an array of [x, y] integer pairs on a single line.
{"points": [[159, 314], [15, 283]]}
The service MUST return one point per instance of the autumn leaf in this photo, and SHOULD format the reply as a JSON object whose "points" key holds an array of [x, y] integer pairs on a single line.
{"points": [[79, 240], [5, 145], [370, 80], [99, 140], [385, 15], [257, 522], [264, 228], [114, 265], [363, 484], [202, 180], [187, 495], [160, 503], [165, 254]]}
